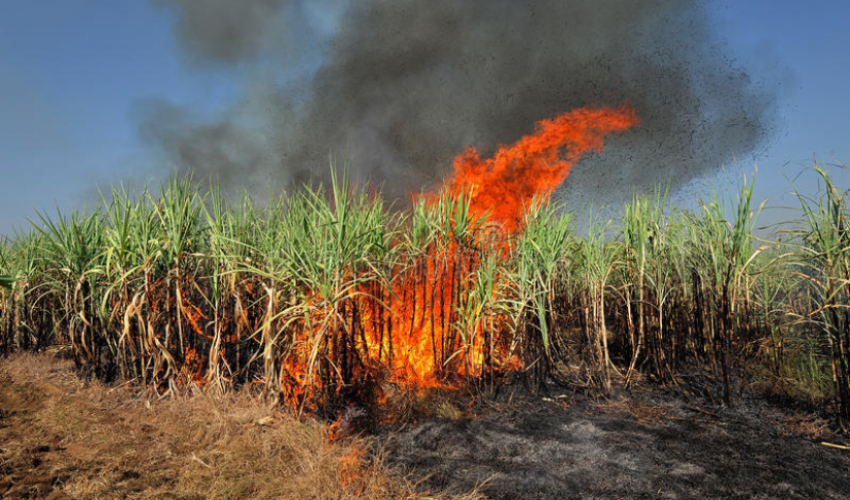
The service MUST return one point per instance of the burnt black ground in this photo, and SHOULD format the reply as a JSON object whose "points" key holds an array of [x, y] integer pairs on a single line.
{"points": [[649, 446]]}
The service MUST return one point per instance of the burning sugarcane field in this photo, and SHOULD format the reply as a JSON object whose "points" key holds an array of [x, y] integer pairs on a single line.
{"points": [[402, 249]]}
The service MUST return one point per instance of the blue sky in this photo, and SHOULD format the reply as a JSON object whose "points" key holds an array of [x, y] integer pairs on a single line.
{"points": [[806, 47], [70, 72]]}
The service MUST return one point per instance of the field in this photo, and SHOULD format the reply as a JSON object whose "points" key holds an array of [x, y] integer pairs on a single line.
{"points": [[64, 437], [328, 305]]}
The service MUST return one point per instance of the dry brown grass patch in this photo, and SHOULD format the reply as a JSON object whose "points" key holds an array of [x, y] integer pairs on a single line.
{"points": [[69, 437], [812, 426], [641, 411]]}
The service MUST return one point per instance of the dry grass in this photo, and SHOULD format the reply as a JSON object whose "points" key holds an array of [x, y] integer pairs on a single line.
{"points": [[64, 437], [642, 412], [812, 426]]}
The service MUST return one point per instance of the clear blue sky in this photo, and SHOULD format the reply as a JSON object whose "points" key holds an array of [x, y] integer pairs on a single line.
{"points": [[71, 70]]}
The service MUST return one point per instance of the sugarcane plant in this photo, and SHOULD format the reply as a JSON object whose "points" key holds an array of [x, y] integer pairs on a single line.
{"points": [[327, 296], [823, 262]]}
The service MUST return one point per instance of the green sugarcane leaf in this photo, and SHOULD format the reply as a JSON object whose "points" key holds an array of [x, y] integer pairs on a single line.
{"points": [[6, 281]]}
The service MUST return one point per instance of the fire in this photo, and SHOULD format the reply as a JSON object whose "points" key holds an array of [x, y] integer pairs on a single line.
{"points": [[354, 469], [421, 330], [535, 165], [426, 339]]}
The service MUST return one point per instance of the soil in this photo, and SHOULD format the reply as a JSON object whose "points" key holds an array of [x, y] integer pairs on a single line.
{"points": [[651, 445], [36, 458]]}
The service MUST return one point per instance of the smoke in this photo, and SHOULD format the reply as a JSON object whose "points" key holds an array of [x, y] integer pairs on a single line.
{"points": [[398, 87], [222, 30]]}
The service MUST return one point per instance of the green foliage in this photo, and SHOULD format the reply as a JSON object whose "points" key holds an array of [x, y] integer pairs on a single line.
{"points": [[823, 263], [183, 286]]}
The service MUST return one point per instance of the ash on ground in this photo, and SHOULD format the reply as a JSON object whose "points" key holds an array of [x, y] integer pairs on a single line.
{"points": [[649, 445]]}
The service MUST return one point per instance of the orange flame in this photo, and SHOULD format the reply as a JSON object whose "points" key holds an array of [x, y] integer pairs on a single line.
{"points": [[500, 187], [536, 164], [410, 335]]}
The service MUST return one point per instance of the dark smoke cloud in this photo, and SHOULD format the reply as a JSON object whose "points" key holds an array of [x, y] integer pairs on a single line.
{"points": [[404, 85]]}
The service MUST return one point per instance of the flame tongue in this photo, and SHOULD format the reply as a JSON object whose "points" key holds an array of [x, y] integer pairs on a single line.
{"points": [[536, 164], [426, 327], [501, 187]]}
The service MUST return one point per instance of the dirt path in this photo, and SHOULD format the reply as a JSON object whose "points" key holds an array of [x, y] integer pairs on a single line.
{"points": [[629, 449]]}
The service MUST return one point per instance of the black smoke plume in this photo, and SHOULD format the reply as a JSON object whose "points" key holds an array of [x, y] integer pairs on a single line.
{"points": [[398, 87]]}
